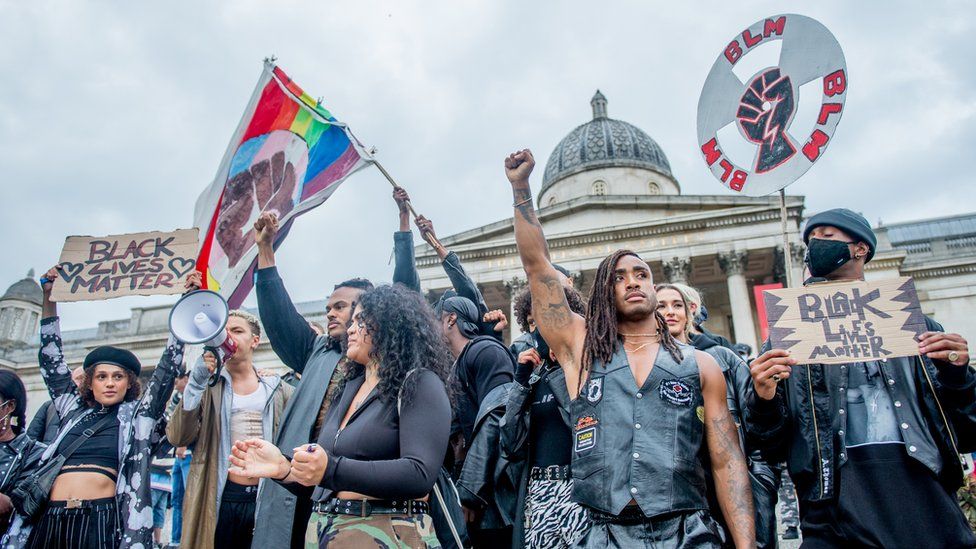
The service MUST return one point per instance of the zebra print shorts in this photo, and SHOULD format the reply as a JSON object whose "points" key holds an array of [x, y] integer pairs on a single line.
{"points": [[552, 519]]}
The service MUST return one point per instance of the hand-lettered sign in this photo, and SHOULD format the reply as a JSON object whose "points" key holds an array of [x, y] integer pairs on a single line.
{"points": [[833, 323], [763, 107], [93, 268]]}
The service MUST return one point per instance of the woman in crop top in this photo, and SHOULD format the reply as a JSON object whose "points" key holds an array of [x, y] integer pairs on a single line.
{"points": [[384, 438], [102, 490]]}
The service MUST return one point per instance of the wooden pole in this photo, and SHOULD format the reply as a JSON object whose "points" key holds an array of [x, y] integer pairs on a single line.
{"points": [[429, 238], [787, 252]]}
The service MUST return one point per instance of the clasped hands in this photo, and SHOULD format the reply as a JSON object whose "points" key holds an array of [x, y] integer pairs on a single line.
{"points": [[257, 458]]}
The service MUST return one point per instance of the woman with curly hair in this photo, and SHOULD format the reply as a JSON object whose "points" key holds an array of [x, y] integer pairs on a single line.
{"points": [[384, 439], [100, 498]]}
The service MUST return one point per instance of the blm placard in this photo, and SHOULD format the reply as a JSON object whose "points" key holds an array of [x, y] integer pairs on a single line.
{"points": [[103, 267], [833, 323]]}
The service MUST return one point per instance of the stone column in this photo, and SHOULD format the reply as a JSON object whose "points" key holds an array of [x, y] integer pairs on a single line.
{"points": [[733, 265], [514, 286], [799, 267], [677, 269]]}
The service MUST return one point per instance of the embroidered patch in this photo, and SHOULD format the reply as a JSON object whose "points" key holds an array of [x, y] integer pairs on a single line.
{"points": [[594, 390], [586, 421], [700, 412], [585, 439], [676, 392]]}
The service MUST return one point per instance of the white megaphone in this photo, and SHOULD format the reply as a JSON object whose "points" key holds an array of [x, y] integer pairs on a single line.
{"points": [[200, 317]]}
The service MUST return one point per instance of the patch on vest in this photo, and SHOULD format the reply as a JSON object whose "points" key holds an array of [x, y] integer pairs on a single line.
{"points": [[676, 392], [585, 439], [586, 421], [700, 412], [594, 390]]}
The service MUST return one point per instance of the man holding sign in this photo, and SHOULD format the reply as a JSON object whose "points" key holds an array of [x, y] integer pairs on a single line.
{"points": [[872, 443]]}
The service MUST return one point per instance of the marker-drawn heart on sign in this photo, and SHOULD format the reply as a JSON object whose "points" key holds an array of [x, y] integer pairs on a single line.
{"points": [[70, 270], [181, 266]]}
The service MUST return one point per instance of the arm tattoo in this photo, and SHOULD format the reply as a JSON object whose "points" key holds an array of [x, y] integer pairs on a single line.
{"points": [[552, 308], [732, 479], [522, 195]]}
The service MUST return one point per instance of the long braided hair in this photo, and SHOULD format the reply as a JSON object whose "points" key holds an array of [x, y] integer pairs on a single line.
{"points": [[601, 322]]}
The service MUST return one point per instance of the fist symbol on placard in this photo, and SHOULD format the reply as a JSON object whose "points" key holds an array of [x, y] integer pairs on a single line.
{"points": [[765, 112], [273, 166]]}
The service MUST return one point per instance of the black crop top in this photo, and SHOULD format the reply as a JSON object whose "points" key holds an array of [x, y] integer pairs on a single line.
{"points": [[101, 449]]}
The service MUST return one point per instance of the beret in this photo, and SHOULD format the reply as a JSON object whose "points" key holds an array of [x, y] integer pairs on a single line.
{"points": [[116, 357]]}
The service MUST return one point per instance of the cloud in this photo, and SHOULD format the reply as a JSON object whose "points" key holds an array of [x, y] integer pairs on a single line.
{"points": [[114, 117]]}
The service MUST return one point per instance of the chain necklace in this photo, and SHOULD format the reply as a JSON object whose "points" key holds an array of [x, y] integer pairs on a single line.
{"points": [[657, 339]]}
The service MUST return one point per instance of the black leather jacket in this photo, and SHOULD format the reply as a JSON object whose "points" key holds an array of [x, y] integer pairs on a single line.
{"points": [[802, 423], [764, 477], [20, 453], [484, 483]]}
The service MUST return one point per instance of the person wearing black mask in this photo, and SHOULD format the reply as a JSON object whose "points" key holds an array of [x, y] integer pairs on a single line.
{"points": [[873, 447], [484, 371]]}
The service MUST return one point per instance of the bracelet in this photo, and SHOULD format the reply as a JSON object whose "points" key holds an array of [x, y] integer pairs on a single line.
{"points": [[45, 280], [517, 204], [286, 474]]}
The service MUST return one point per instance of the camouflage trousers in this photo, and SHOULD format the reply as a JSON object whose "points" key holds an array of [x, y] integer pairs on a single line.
{"points": [[332, 531]]}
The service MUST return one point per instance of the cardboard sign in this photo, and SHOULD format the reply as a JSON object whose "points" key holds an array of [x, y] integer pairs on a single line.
{"points": [[763, 106], [93, 268], [834, 323]]}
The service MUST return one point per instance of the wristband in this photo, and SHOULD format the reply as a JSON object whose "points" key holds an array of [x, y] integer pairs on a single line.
{"points": [[45, 280], [286, 474], [517, 204]]}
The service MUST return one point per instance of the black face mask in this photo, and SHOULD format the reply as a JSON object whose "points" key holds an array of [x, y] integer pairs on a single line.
{"points": [[826, 256]]}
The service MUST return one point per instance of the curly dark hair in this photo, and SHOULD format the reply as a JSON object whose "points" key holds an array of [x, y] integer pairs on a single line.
{"points": [[523, 305], [12, 388], [405, 336], [601, 324], [88, 397]]}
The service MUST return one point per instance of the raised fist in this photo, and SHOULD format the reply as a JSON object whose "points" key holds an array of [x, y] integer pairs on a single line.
{"points": [[518, 166], [265, 229], [51, 275], [194, 281], [266, 185]]}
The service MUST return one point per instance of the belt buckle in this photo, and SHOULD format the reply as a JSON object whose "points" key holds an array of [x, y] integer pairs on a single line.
{"points": [[552, 471], [73, 503], [366, 509]]}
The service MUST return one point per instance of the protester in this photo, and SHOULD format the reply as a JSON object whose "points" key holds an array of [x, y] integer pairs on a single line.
{"points": [[101, 498], [678, 304], [18, 451], [218, 505], [384, 439], [537, 440], [45, 425], [873, 447], [484, 370], [611, 362]]}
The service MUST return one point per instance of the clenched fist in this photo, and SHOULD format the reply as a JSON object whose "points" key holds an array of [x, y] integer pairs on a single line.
{"points": [[518, 166], [265, 229]]}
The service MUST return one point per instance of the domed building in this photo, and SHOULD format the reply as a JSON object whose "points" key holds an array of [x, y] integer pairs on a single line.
{"points": [[20, 311], [609, 185]]}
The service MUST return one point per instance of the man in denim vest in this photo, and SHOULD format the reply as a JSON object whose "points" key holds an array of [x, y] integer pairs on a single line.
{"points": [[644, 409]]}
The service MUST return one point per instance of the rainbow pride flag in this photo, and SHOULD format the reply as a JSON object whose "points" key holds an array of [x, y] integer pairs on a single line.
{"points": [[288, 155]]}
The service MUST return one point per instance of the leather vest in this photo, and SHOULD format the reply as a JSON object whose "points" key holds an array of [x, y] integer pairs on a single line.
{"points": [[640, 443]]}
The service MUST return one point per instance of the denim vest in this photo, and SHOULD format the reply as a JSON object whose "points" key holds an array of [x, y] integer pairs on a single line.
{"points": [[640, 443]]}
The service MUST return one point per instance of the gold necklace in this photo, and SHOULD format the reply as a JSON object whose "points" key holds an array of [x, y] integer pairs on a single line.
{"points": [[639, 347], [655, 334]]}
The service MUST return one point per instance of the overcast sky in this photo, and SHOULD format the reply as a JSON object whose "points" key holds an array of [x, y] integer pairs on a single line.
{"points": [[114, 115]]}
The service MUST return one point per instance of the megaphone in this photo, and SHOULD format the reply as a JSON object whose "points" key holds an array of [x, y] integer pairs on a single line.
{"points": [[201, 317]]}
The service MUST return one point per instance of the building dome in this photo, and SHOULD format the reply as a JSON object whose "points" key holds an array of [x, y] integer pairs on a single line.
{"points": [[26, 289], [603, 142]]}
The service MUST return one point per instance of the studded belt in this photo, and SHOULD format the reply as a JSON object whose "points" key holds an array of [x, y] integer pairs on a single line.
{"points": [[551, 472], [367, 507]]}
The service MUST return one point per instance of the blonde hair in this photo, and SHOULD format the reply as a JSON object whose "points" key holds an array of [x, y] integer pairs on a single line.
{"points": [[690, 297], [252, 321]]}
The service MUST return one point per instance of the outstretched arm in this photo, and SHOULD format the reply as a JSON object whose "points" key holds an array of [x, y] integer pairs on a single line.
{"points": [[732, 485], [404, 264], [560, 326], [54, 369]]}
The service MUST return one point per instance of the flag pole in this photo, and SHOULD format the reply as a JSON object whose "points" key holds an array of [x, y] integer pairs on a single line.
{"points": [[429, 238], [787, 252]]}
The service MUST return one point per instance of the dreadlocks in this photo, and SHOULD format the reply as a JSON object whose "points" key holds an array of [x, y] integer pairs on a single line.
{"points": [[601, 323]]}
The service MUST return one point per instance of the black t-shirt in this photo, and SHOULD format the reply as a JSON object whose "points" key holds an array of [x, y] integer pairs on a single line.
{"points": [[886, 499], [549, 437], [483, 365]]}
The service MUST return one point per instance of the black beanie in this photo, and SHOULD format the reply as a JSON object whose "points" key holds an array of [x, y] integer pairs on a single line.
{"points": [[116, 357], [848, 221]]}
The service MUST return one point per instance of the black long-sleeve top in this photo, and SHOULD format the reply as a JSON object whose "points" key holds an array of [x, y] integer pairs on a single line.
{"points": [[382, 453]]}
